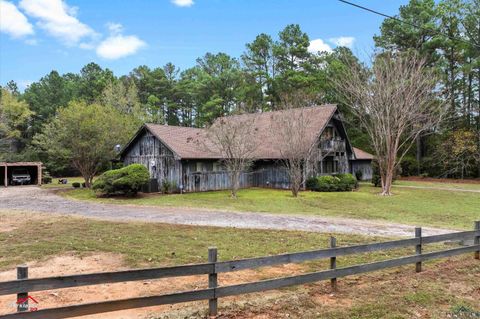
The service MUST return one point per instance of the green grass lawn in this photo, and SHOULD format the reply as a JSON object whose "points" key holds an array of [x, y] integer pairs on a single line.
{"points": [[424, 207], [38, 237], [70, 180]]}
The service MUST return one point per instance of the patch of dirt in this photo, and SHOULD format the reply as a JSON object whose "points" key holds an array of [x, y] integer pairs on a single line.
{"points": [[6, 227], [71, 264], [454, 277], [7, 223], [440, 180]]}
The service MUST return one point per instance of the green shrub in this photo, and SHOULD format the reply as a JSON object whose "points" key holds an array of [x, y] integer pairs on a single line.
{"points": [[359, 175], [46, 178], [409, 166], [124, 181], [337, 183], [312, 183], [168, 187], [76, 185], [376, 179], [348, 182], [328, 183]]}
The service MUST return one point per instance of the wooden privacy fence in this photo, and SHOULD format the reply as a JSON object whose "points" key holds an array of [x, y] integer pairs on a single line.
{"points": [[23, 286]]}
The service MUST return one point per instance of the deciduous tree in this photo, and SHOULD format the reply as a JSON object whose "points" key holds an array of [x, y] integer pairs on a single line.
{"points": [[395, 101], [291, 128], [14, 117], [84, 135], [233, 138]]}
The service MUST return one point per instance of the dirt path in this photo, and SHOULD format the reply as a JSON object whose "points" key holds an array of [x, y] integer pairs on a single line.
{"points": [[34, 199]]}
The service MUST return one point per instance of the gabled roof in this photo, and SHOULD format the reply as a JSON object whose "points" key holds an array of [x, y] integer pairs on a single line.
{"points": [[189, 143], [362, 155], [185, 142]]}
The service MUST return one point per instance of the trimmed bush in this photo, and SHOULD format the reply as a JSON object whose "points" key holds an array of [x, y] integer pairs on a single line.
{"points": [[338, 183], [328, 183], [124, 181], [76, 185], [312, 183], [348, 182]]}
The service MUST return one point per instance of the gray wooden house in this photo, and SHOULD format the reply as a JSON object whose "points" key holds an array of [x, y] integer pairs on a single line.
{"points": [[174, 154]]}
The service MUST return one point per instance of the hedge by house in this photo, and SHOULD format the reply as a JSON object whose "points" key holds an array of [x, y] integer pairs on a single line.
{"points": [[334, 183], [124, 181]]}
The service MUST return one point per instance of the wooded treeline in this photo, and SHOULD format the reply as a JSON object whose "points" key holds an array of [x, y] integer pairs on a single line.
{"points": [[446, 33]]}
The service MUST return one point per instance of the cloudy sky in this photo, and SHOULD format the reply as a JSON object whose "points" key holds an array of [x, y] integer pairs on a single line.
{"points": [[37, 36]]}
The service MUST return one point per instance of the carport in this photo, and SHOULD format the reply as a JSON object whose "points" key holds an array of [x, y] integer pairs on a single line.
{"points": [[34, 169]]}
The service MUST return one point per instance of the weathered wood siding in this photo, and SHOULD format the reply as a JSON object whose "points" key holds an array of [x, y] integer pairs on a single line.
{"points": [[365, 166], [212, 181], [154, 155], [263, 174], [270, 174]]}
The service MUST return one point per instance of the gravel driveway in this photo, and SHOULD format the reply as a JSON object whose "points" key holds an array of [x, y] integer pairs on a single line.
{"points": [[34, 199]]}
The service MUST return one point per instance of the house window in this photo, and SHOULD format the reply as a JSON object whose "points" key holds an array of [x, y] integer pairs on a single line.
{"points": [[328, 133], [330, 166], [217, 166], [199, 167]]}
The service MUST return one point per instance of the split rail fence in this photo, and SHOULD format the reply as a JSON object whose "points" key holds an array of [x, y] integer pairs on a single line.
{"points": [[24, 285]]}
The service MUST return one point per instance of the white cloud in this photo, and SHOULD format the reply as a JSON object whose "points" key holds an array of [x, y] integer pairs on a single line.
{"points": [[115, 28], [318, 45], [13, 22], [24, 84], [119, 46], [58, 19], [183, 3], [343, 41]]}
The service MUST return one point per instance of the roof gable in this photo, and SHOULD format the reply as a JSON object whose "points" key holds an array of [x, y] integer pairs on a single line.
{"points": [[362, 155], [189, 142]]}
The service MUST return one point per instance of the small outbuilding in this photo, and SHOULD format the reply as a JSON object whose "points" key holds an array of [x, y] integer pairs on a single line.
{"points": [[21, 170]]}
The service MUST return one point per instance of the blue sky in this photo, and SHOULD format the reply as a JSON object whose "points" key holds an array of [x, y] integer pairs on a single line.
{"points": [[37, 36]]}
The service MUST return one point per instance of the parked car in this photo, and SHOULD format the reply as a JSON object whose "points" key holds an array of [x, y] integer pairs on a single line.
{"points": [[20, 176]]}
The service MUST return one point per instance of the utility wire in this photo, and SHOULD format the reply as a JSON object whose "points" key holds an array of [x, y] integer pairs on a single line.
{"points": [[409, 23]]}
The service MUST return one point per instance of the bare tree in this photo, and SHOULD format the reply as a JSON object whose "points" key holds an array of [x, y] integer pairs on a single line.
{"points": [[234, 138], [395, 101], [291, 128]]}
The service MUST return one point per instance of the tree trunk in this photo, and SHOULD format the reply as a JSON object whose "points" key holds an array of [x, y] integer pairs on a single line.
{"points": [[419, 153], [235, 184], [387, 184], [88, 180]]}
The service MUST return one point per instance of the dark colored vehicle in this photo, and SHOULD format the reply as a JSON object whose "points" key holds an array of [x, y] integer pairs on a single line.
{"points": [[20, 176]]}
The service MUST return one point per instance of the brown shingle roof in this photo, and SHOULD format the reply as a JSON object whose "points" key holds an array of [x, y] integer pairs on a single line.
{"points": [[189, 142], [362, 155], [186, 142]]}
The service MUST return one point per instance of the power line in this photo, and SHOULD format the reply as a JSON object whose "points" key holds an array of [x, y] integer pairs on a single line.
{"points": [[408, 23]]}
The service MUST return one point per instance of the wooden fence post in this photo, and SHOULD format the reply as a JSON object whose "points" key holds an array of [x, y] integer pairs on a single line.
{"points": [[476, 240], [212, 281], [418, 248], [333, 263], [22, 297]]}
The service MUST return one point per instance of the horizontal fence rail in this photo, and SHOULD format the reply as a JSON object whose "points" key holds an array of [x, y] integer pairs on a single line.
{"points": [[212, 268], [38, 284]]}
